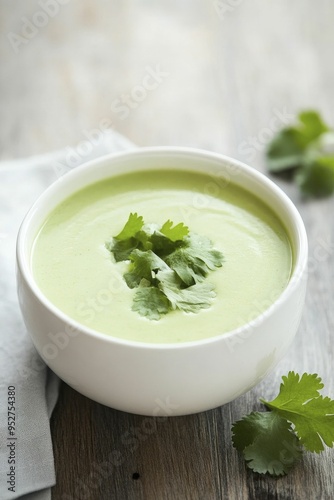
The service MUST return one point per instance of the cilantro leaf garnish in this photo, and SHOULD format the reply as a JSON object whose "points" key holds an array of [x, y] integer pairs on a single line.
{"points": [[121, 249], [167, 265], [176, 233], [306, 150], [131, 228], [300, 417], [267, 442], [317, 177], [190, 299], [193, 261], [297, 388], [300, 402], [151, 302], [128, 239], [144, 265]]}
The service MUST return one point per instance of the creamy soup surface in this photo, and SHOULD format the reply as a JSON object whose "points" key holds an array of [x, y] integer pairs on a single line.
{"points": [[76, 272]]}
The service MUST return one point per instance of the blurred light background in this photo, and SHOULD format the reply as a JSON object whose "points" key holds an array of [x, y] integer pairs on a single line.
{"points": [[203, 73]]}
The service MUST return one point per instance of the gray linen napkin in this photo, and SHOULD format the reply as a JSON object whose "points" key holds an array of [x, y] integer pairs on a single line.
{"points": [[28, 389]]}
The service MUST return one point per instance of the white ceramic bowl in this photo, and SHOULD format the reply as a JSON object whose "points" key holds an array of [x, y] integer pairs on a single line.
{"points": [[162, 379]]}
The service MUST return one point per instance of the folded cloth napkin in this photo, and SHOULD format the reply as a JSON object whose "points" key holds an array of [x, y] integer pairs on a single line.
{"points": [[28, 389]]}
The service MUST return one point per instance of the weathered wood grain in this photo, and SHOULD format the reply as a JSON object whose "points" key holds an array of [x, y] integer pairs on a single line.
{"points": [[228, 81]]}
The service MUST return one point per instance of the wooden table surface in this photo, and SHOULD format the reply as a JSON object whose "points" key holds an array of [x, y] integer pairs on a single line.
{"points": [[227, 74]]}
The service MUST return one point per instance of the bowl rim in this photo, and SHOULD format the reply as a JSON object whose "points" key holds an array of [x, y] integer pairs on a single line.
{"points": [[301, 250]]}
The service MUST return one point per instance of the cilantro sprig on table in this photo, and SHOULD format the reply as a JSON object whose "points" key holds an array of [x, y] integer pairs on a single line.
{"points": [[300, 418], [305, 150], [168, 266]]}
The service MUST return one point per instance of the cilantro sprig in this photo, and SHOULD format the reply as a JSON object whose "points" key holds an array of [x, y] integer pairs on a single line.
{"points": [[168, 265], [306, 151], [300, 419]]}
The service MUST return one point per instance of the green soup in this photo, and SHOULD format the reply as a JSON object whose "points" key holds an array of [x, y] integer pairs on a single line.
{"points": [[76, 272]]}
